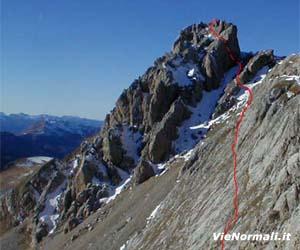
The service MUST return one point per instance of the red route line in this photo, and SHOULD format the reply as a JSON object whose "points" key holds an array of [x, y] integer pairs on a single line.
{"points": [[215, 29]]}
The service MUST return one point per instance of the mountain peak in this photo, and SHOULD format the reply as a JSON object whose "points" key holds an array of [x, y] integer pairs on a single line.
{"points": [[178, 117]]}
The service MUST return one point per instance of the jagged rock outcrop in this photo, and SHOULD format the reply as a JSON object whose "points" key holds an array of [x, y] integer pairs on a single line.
{"points": [[195, 34], [41, 231], [256, 63], [260, 61], [217, 60], [165, 131], [85, 174], [112, 147], [142, 172], [196, 62], [30, 199]]}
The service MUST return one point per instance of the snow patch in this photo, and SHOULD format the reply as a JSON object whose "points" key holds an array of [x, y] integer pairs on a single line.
{"points": [[243, 95], [74, 166], [50, 213], [258, 78], [189, 133], [188, 155], [159, 169], [289, 94], [40, 159], [131, 141], [210, 36], [292, 78], [32, 161], [242, 98], [126, 178], [184, 73], [123, 247], [191, 72], [153, 214]]}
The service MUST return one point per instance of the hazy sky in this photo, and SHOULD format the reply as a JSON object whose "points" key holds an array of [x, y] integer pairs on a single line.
{"points": [[75, 57]]}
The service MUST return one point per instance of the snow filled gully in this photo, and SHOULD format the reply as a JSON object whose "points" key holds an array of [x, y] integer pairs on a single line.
{"points": [[190, 133]]}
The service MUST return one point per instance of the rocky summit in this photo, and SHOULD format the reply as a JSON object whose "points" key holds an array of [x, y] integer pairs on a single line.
{"points": [[159, 175]]}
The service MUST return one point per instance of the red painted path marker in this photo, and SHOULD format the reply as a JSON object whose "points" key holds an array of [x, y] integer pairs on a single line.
{"points": [[215, 28]]}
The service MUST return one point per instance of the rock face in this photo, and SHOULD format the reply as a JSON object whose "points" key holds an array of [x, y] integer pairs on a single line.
{"points": [[165, 131], [196, 63], [30, 199], [41, 231], [84, 175], [258, 62], [268, 176], [217, 60], [112, 148], [179, 114]]}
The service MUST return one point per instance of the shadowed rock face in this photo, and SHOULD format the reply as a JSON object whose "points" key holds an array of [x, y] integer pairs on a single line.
{"points": [[217, 61], [164, 132], [141, 132], [142, 172]]}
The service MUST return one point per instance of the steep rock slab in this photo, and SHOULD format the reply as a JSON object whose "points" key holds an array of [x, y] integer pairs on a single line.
{"points": [[268, 175]]}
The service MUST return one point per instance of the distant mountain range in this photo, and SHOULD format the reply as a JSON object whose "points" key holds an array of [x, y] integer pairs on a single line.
{"points": [[25, 135]]}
